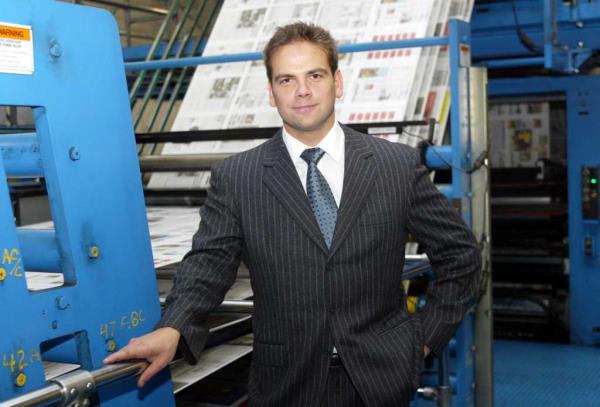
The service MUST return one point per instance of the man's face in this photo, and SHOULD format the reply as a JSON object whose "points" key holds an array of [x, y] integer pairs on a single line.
{"points": [[304, 89]]}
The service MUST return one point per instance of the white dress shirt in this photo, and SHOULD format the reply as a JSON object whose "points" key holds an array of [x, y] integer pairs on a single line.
{"points": [[331, 165]]}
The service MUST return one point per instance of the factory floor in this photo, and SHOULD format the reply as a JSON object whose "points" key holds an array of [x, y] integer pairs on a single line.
{"points": [[536, 374]]}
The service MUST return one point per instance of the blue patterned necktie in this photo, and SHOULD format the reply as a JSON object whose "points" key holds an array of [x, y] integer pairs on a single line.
{"points": [[319, 194]]}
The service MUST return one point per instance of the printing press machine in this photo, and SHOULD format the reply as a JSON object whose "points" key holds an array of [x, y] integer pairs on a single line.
{"points": [[83, 285], [519, 42], [544, 52]]}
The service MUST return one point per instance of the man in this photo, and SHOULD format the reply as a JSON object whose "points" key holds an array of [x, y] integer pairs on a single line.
{"points": [[331, 326]]}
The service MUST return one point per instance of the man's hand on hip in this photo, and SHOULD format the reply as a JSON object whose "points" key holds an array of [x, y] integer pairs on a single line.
{"points": [[157, 347]]}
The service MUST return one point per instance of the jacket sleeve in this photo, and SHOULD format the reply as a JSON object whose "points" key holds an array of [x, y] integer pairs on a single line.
{"points": [[208, 270], [454, 257]]}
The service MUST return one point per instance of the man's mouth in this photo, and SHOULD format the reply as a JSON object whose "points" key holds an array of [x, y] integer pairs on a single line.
{"points": [[304, 109]]}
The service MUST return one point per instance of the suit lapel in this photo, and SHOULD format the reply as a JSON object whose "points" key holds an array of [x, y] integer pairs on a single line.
{"points": [[282, 180], [359, 177]]}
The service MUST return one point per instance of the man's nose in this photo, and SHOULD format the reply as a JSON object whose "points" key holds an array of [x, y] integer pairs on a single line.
{"points": [[303, 89]]}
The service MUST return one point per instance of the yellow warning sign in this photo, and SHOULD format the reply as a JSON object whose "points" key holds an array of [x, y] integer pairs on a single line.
{"points": [[16, 49], [15, 33]]}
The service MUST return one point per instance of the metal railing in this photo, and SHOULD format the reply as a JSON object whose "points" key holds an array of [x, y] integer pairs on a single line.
{"points": [[76, 387]]}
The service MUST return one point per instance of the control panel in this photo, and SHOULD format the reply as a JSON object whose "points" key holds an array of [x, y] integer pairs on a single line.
{"points": [[589, 193]]}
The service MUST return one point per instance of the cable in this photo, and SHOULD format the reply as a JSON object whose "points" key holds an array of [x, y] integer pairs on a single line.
{"points": [[525, 40]]}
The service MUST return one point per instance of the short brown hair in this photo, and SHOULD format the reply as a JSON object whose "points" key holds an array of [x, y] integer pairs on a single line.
{"points": [[298, 32]]}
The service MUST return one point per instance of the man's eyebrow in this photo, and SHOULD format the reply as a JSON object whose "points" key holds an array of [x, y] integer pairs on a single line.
{"points": [[317, 70], [312, 71], [281, 76]]}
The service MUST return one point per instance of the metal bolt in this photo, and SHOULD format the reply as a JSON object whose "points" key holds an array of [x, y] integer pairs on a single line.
{"points": [[73, 392], [61, 303], [74, 154], [55, 49], [85, 403], [54, 324], [2, 274], [21, 379], [580, 44], [111, 346], [89, 386], [579, 24], [93, 252]]}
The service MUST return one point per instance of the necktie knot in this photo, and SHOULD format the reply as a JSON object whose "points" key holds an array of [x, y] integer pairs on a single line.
{"points": [[312, 155]]}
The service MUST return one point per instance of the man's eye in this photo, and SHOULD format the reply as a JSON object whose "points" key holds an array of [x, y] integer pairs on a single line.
{"points": [[284, 81], [316, 76]]}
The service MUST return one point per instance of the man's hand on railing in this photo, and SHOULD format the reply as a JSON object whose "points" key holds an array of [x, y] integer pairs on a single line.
{"points": [[157, 347]]}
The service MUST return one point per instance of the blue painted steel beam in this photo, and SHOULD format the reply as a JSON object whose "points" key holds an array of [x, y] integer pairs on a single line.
{"points": [[21, 155], [458, 30], [255, 56], [494, 28], [438, 157], [513, 62], [39, 250]]}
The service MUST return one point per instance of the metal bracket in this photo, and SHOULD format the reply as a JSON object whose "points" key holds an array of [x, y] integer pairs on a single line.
{"points": [[442, 395], [76, 388]]}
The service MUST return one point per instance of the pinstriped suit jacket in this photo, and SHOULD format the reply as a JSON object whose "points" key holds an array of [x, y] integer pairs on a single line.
{"points": [[308, 298]]}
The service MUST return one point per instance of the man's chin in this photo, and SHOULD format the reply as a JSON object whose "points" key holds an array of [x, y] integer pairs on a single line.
{"points": [[305, 126]]}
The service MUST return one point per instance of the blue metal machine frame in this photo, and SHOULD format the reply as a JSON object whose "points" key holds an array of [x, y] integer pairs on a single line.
{"points": [[554, 28], [457, 154], [85, 149], [582, 95]]}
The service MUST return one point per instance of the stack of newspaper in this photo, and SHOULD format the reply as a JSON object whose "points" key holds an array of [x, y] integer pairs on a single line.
{"points": [[380, 86]]}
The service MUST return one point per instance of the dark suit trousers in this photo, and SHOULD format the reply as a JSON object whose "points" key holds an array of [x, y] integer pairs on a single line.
{"points": [[339, 390]]}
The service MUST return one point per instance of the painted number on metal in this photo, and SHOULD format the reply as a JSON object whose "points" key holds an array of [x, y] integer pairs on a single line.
{"points": [[128, 321], [12, 264], [19, 360]]}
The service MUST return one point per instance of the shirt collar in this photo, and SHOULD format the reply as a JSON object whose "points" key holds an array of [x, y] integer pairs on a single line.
{"points": [[332, 144]]}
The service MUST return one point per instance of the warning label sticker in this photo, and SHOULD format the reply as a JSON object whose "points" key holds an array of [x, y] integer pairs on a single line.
{"points": [[16, 49]]}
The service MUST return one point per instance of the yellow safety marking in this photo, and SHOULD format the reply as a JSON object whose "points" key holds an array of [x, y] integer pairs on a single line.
{"points": [[21, 379], [411, 303]]}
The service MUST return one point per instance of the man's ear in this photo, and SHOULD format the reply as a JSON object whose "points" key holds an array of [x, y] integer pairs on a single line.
{"points": [[271, 97], [338, 81]]}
